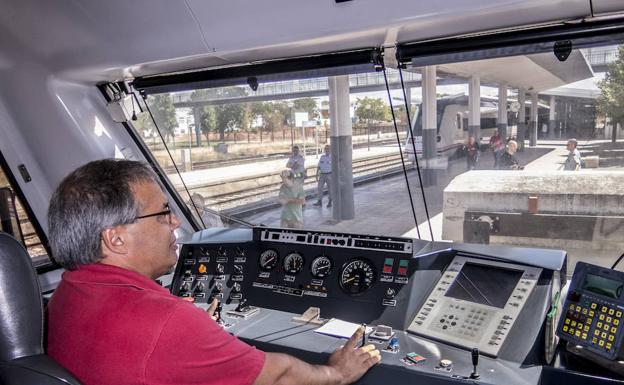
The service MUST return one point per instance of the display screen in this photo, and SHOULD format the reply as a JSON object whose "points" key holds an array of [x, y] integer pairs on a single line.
{"points": [[603, 286], [486, 285]]}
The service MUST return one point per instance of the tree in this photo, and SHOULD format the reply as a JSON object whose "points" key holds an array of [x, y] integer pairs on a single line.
{"points": [[224, 117], [164, 113], [274, 116], [307, 105], [611, 102], [372, 110], [229, 118], [208, 121]]}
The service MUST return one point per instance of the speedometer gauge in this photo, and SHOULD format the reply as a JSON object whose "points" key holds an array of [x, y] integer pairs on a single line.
{"points": [[293, 263], [321, 267], [357, 276], [268, 260]]}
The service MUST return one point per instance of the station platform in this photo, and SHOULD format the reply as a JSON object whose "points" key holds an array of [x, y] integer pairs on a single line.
{"points": [[233, 173], [383, 207]]}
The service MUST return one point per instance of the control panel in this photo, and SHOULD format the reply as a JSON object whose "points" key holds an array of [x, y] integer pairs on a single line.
{"points": [[593, 310], [352, 241], [421, 300], [354, 277], [476, 303], [209, 271]]}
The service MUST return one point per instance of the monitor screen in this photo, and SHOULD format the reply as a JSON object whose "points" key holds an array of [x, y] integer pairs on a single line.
{"points": [[486, 285], [603, 286]]}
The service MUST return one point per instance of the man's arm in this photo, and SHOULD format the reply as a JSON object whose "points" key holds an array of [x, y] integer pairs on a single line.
{"points": [[346, 365]]}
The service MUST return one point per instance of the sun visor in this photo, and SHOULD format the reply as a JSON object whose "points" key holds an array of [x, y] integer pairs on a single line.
{"points": [[511, 43], [333, 64]]}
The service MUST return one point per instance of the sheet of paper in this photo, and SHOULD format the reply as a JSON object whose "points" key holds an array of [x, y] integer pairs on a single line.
{"points": [[338, 328]]}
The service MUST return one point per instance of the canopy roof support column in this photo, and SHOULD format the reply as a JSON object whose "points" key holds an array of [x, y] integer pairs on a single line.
{"points": [[341, 148], [502, 110], [533, 120], [429, 125], [474, 107], [521, 119], [552, 122]]}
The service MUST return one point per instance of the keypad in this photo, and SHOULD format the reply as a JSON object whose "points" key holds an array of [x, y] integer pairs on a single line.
{"points": [[465, 322], [593, 323]]}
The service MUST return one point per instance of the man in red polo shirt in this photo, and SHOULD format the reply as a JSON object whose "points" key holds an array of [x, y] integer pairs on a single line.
{"points": [[111, 228]]}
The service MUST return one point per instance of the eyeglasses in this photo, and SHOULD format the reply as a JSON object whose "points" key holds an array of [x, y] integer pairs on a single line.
{"points": [[166, 213]]}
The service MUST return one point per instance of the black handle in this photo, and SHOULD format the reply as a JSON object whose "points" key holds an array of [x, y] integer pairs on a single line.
{"points": [[475, 356]]}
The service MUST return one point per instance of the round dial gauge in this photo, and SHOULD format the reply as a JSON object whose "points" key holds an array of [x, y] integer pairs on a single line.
{"points": [[293, 263], [321, 267], [268, 259], [357, 276]]}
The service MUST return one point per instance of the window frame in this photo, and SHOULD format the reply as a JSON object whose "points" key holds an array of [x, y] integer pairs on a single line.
{"points": [[51, 264]]}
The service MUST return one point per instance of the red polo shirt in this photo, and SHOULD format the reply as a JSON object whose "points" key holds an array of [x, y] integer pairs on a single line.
{"points": [[109, 325]]}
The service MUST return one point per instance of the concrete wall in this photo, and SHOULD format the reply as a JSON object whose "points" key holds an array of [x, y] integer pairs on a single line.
{"points": [[569, 197]]}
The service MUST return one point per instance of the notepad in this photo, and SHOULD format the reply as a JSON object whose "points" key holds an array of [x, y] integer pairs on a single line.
{"points": [[341, 329]]}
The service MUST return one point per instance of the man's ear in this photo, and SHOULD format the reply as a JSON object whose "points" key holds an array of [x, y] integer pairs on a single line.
{"points": [[113, 241]]}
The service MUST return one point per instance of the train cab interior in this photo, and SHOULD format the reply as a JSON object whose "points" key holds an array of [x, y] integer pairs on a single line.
{"points": [[471, 215]]}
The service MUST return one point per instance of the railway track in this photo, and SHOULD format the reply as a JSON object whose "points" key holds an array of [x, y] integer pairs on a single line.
{"points": [[207, 164], [228, 195]]}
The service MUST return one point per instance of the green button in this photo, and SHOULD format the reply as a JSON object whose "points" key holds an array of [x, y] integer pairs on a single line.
{"points": [[403, 263], [389, 261]]}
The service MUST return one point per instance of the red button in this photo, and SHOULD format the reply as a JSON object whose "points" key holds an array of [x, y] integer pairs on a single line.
{"points": [[387, 269], [402, 271]]}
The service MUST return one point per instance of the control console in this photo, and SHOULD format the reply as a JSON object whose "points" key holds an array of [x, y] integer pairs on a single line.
{"points": [[476, 303], [593, 309], [437, 310]]}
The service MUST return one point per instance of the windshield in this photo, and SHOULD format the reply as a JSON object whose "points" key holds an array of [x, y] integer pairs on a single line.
{"points": [[524, 150]]}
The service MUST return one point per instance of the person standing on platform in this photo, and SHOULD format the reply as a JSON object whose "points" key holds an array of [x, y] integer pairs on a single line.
{"points": [[573, 161], [508, 160], [323, 176], [296, 163], [497, 146], [208, 217], [471, 149], [292, 198]]}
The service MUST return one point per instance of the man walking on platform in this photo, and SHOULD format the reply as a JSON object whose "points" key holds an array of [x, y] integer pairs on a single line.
{"points": [[296, 162], [573, 161], [323, 176]]}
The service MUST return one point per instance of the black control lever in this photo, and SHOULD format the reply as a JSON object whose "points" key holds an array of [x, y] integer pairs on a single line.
{"points": [[475, 361], [218, 311], [242, 305]]}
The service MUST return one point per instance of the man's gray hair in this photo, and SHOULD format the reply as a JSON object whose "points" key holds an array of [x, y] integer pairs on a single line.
{"points": [[92, 198]]}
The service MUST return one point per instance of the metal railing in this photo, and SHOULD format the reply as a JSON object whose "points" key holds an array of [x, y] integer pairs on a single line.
{"points": [[303, 85]]}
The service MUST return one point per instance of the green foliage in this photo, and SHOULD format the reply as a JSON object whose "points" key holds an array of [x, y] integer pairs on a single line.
{"points": [[372, 110], [208, 120], [307, 105], [229, 118], [274, 115], [164, 113], [222, 118], [611, 102]]}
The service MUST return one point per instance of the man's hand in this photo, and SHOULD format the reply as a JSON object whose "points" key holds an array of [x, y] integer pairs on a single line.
{"points": [[352, 361], [212, 308]]}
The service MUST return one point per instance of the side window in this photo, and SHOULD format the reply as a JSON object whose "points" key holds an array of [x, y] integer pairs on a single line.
{"points": [[15, 221]]}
